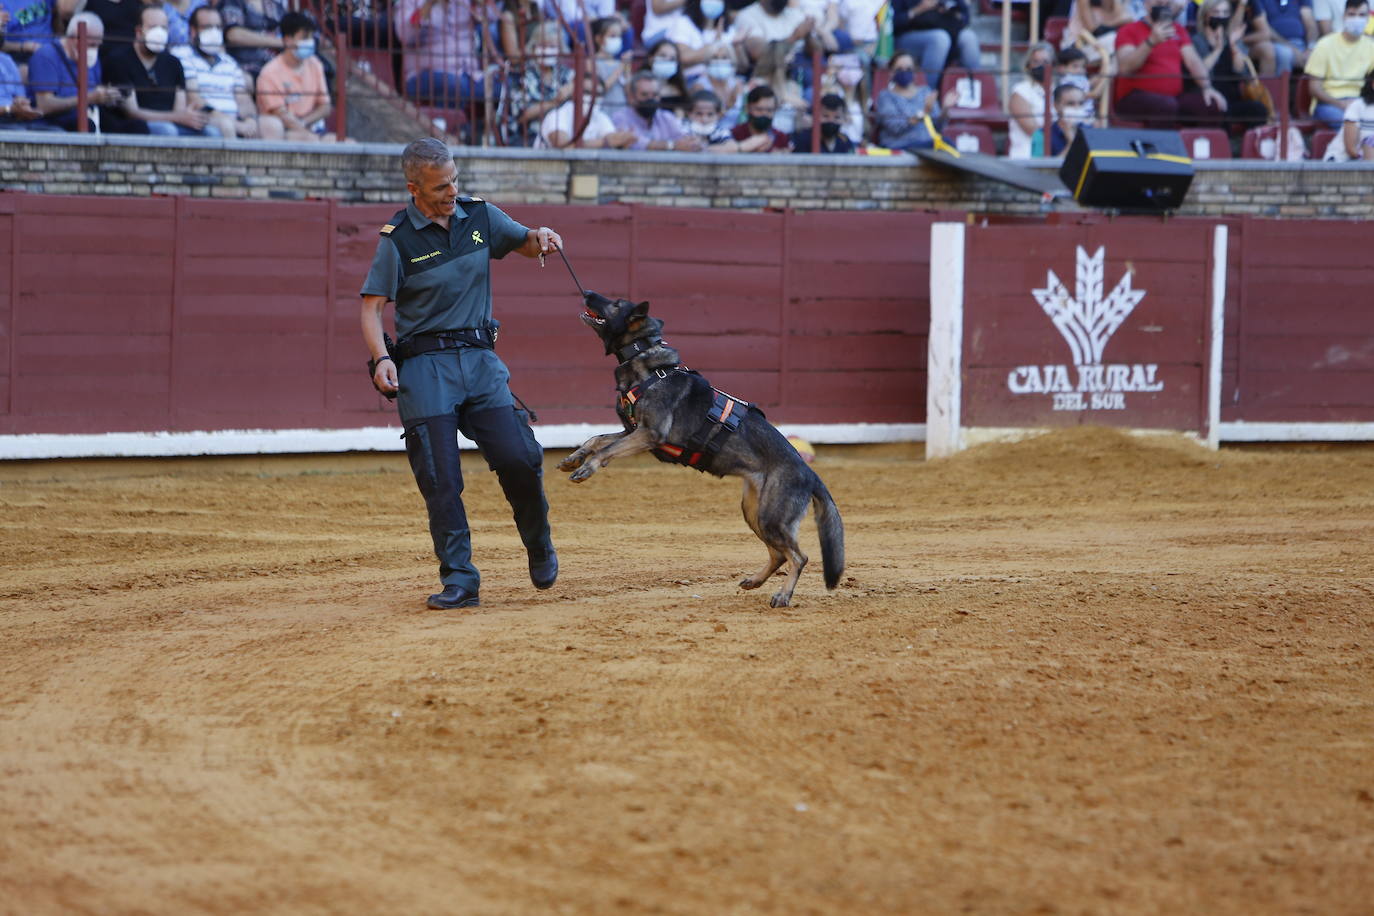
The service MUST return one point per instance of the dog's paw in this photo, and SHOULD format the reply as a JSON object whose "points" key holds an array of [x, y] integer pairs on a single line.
{"points": [[780, 600], [582, 473], [749, 583], [570, 463]]}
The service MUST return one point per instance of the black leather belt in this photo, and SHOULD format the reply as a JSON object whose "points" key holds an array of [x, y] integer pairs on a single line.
{"points": [[485, 338]]}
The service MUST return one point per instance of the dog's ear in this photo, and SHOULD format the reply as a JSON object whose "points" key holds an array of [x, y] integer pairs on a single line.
{"points": [[640, 310]]}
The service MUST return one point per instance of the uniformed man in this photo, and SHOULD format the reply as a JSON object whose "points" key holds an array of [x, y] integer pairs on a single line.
{"points": [[434, 261]]}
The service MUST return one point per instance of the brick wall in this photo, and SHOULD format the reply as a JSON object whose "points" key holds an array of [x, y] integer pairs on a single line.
{"points": [[127, 166]]}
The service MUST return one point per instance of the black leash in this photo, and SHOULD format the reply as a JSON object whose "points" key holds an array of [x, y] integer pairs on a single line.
{"points": [[580, 291]]}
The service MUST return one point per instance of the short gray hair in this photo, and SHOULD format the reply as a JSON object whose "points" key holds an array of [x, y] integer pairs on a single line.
{"points": [[94, 24], [425, 153]]}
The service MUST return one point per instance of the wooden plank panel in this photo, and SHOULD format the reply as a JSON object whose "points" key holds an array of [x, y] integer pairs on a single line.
{"points": [[885, 316], [819, 280], [1307, 353], [280, 229], [988, 402], [76, 313], [1331, 389], [829, 237], [748, 292], [858, 352], [95, 356], [858, 392], [698, 237]]}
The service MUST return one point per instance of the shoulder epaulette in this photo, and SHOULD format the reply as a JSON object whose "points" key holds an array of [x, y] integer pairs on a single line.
{"points": [[471, 200], [387, 229]]}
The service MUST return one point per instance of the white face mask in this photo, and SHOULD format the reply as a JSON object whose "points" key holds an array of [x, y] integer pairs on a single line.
{"points": [[1354, 25], [614, 45], [701, 130], [849, 76], [712, 9], [720, 69], [1075, 114], [305, 49], [211, 41], [92, 57], [664, 69], [155, 39]]}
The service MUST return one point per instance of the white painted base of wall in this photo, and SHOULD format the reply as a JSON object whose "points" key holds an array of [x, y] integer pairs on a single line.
{"points": [[368, 439]]}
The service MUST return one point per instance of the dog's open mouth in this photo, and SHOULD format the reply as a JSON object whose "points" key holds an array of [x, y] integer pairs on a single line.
{"points": [[589, 317]]}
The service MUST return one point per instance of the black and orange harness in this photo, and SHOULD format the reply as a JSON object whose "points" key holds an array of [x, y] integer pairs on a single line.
{"points": [[700, 449]]}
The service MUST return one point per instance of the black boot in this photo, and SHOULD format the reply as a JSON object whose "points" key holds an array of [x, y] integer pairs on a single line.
{"points": [[544, 568], [453, 596]]}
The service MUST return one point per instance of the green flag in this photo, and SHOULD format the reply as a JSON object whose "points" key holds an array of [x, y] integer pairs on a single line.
{"points": [[883, 52]]}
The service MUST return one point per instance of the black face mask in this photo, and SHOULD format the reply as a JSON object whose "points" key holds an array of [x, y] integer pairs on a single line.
{"points": [[647, 110], [829, 130], [776, 6], [1218, 22], [1037, 73], [760, 123]]}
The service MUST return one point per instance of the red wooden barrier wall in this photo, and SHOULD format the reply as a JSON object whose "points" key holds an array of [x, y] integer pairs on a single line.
{"points": [[177, 314]]}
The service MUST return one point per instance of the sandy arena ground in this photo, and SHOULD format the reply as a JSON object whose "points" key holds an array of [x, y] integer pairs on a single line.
{"points": [[1080, 674]]}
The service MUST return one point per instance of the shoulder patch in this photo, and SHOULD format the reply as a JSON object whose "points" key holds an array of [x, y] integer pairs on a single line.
{"points": [[387, 229], [472, 200]]}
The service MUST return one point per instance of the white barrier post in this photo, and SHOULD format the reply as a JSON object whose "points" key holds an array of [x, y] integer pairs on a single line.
{"points": [[944, 366], [1213, 439]]}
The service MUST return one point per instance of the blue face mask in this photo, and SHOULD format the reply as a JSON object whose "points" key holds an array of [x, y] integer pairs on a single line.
{"points": [[305, 49], [904, 78], [664, 69], [614, 45], [712, 9]]}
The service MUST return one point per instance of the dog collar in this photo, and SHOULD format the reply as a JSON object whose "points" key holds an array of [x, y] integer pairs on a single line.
{"points": [[636, 348]]}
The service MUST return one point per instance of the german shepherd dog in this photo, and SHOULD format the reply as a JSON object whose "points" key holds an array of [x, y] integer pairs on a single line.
{"points": [[674, 412]]}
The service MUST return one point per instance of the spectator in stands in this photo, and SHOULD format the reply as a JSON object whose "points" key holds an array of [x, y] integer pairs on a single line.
{"points": [[769, 22], [292, 85], [545, 83], [439, 60], [1217, 43], [832, 121], [1070, 113], [574, 14], [665, 63], [53, 74], [653, 127], [16, 112], [844, 77], [30, 25], [702, 33], [612, 61], [761, 106], [1338, 64], [1355, 142], [1072, 68], [935, 32], [790, 104], [705, 121], [905, 110], [517, 18], [858, 32], [1151, 55], [558, 128], [825, 14], [157, 80], [1292, 29], [179, 20], [660, 16], [1027, 105], [722, 79], [1095, 22], [215, 81], [252, 31], [1328, 15], [120, 18]]}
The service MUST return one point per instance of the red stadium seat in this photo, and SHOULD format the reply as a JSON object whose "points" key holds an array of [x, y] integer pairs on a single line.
{"points": [[376, 62], [638, 10], [1206, 143], [971, 138], [1253, 145], [1321, 140], [977, 102]]}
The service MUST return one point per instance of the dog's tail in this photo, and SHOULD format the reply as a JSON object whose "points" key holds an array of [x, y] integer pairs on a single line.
{"points": [[831, 528]]}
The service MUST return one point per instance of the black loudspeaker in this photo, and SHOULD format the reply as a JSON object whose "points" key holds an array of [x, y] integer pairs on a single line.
{"points": [[1126, 169]]}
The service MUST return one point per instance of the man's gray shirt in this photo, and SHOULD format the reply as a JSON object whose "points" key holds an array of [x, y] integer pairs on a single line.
{"points": [[440, 279]]}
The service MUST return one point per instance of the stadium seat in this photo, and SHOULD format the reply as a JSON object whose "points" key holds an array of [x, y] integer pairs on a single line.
{"points": [[1320, 141], [977, 98], [638, 10], [376, 62], [1302, 106], [1253, 145], [1206, 143], [971, 138]]}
